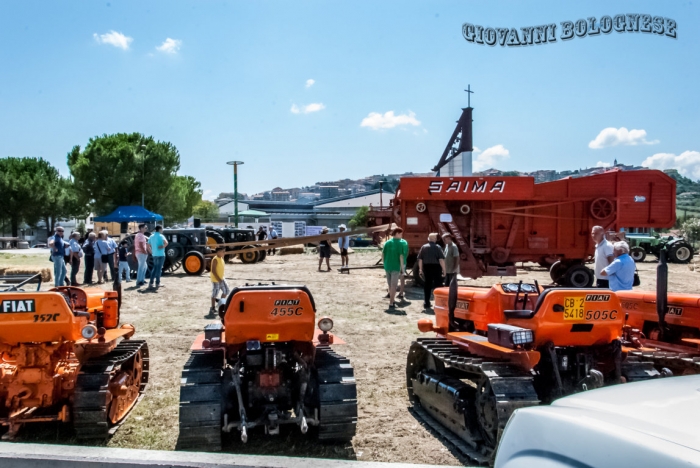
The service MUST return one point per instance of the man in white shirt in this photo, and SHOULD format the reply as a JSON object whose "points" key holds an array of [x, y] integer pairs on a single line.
{"points": [[603, 255], [273, 236], [343, 246]]}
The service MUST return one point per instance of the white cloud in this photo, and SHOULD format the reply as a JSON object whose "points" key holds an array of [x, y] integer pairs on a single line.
{"points": [[603, 164], [687, 163], [170, 46], [489, 158], [209, 195], [612, 136], [310, 82], [375, 120], [307, 109], [114, 38]]}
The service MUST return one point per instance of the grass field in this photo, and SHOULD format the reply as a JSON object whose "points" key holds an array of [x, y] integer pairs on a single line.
{"points": [[377, 343]]}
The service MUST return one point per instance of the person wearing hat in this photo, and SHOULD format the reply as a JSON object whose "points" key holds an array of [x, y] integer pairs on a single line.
{"points": [[451, 258], [343, 246], [324, 251]]}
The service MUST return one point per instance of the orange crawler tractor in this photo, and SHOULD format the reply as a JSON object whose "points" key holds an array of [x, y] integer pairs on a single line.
{"points": [[509, 346], [661, 327], [266, 365], [64, 357]]}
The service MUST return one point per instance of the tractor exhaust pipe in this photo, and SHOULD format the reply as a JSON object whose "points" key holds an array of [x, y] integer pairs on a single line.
{"points": [[452, 304], [662, 290]]}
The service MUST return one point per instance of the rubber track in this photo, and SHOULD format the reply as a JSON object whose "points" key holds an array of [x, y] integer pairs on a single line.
{"points": [[91, 397], [513, 389], [200, 402], [338, 396]]}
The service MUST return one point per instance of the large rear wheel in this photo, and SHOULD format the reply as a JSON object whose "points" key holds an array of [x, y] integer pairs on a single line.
{"points": [[681, 252], [638, 254], [579, 276], [557, 271], [214, 238]]}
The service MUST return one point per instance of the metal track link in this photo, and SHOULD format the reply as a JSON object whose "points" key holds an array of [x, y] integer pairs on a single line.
{"points": [[679, 363], [462, 447], [92, 397], [200, 402], [337, 395], [512, 388]]}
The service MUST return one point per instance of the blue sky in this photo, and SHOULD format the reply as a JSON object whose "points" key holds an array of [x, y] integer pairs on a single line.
{"points": [[232, 83]]}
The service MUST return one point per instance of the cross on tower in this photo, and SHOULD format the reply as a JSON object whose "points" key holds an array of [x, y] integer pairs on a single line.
{"points": [[469, 95]]}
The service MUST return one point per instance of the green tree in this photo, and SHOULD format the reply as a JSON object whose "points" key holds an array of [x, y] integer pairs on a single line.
{"points": [[115, 170], [690, 229], [360, 218], [206, 210], [32, 189]]}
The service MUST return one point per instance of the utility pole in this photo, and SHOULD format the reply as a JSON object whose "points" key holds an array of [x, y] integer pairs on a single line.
{"points": [[235, 189], [381, 182], [142, 147]]}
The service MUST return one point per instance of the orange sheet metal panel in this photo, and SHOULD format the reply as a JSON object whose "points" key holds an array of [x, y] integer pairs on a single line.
{"points": [[586, 317], [38, 317], [467, 188], [269, 316], [682, 309]]}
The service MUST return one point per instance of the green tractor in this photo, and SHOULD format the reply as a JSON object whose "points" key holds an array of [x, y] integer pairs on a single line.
{"points": [[644, 241]]}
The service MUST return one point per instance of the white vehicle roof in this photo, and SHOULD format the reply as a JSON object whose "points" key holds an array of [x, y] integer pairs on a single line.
{"points": [[652, 423]]}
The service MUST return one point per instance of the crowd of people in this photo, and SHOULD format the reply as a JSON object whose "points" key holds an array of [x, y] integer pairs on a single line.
{"points": [[437, 266], [101, 258]]}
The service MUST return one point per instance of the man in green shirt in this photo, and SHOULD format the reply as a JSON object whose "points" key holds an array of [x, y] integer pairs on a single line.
{"points": [[394, 255], [451, 258]]}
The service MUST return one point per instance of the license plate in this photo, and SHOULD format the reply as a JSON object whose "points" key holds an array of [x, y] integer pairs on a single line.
{"points": [[574, 308]]}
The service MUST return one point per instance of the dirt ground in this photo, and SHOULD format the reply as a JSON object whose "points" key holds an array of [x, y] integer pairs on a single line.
{"points": [[377, 342]]}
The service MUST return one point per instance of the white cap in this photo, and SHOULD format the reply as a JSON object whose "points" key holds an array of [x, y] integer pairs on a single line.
{"points": [[342, 226]]}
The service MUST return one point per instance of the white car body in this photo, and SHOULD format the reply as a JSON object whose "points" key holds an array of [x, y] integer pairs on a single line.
{"points": [[644, 424]]}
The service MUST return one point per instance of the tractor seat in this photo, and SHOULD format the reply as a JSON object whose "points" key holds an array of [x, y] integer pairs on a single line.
{"points": [[526, 313]]}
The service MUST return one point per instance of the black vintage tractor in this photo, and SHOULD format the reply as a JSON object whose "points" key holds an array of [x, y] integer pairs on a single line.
{"points": [[187, 248], [228, 235]]}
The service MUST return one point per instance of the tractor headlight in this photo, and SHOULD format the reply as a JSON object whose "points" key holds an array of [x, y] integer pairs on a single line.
{"points": [[89, 331], [325, 324], [509, 336]]}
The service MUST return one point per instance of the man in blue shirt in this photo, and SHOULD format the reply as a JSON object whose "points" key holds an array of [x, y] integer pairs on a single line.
{"points": [[620, 272], [112, 252], [58, 256], [156, 247]]}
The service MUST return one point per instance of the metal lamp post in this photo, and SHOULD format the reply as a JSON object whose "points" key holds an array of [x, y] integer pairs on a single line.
{"points": [[235, 189], [142, 147]]}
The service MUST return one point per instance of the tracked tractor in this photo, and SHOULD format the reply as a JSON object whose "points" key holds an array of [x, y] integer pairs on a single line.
{"points": [[65, 357], [510, 346], [265, 366], [663, 328]]}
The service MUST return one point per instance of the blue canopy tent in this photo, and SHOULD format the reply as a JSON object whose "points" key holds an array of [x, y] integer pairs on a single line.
{"points": [[130, 214]]}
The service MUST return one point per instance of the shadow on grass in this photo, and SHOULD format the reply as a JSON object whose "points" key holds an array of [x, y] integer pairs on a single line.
{"points": [[466, 461], [290, 443], [395, 311]]}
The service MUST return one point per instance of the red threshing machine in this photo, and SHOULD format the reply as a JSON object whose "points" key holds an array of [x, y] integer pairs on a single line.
{"points": [[498, 221]]}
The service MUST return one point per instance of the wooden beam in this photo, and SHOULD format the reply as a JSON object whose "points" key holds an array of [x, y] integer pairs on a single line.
{"points": [[287, 241]]}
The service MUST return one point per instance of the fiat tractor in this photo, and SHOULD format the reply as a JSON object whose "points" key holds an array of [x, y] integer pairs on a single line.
{"points": [[510, 346], [64, 357], [264, 366], [661, 327]]}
